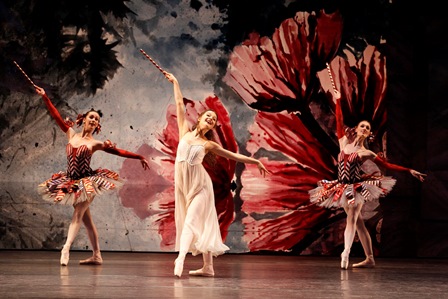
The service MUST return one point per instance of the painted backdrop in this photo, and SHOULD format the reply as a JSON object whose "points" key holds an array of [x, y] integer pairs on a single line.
{"points": [[268, 68]]}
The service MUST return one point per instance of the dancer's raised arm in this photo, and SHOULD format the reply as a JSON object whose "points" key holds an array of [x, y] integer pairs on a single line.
{"points": [[52, 109], [180, 107], [340, 127]]}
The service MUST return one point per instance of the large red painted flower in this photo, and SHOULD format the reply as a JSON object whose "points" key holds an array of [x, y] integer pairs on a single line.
{"points": [[153, 193], [279, 73]]}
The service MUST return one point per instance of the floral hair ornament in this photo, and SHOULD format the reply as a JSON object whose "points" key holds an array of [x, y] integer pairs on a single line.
{"points": [[371, 138], [79, 120], [97, 129]]}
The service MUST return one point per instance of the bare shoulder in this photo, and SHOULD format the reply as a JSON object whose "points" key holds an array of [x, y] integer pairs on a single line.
{"points": [[98, 144], [366, 154]]}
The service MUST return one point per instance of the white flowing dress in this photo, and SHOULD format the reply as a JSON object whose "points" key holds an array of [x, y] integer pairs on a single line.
{"points": [[195, 201]]}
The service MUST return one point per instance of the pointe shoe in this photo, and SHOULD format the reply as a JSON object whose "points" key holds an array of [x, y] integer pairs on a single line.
{"points": [[367, 263], [178, 267], [92, 261], [65, 254], [201, 272], [344, 261]]}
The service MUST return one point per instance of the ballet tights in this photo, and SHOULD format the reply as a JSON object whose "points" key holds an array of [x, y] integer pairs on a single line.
{"points": [[187, 236], [355, 223], [349, 233]]}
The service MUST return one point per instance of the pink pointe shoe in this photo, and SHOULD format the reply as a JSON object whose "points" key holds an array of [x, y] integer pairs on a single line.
{"points": [[202, 272], [65, 254], [344, 260], [369, 262], [178, 267], [94, 260]]}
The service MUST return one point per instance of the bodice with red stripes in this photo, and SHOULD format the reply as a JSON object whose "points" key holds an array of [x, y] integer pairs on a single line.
{"points": [[349, 168], [78, 161]]}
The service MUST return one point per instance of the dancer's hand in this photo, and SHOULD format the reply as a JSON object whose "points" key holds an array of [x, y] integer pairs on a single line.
{"points": [[170, 77], [336, 94], [420, 176], [262, 169], [39, 90], [145, 164]]}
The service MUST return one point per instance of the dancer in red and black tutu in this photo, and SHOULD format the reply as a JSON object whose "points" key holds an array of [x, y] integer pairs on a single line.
{"points": [[353, 187], [79, 184]]}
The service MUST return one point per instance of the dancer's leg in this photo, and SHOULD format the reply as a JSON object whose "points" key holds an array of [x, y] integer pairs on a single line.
{"points": [[92, 233], [366, 243], [73, 229], [207, 268], [187, 236], [349, 233], [185, 241], [208, 263]]}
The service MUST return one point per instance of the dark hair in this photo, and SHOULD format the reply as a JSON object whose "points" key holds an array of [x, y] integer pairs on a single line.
{"points": [[93, 110]]}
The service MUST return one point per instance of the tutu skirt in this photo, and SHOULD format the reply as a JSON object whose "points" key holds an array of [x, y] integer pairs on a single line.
{"points": [[62, 189], [334, 194]]}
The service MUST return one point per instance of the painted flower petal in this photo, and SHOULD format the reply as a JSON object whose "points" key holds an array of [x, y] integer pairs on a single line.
{"points": [[278, 73], [362, 83]]}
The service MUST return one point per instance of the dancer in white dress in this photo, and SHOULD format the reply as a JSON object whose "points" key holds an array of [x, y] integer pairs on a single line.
{"points": [[197, 227]]}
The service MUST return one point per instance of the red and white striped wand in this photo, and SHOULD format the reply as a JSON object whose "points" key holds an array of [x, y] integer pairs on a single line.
{"points": [[335, 91], [153, 62], [331, 77], [23, 72]]}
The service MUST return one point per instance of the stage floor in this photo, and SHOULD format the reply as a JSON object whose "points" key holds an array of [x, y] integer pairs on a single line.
{"points": [[37, 274]]}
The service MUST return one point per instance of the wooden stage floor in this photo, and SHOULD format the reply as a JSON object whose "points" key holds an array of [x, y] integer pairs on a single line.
{"points": [[37, 274]]}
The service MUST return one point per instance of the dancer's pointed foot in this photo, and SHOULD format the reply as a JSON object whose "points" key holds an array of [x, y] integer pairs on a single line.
{"points": [[344, 260], [178, 267], [65, 254], [93, 260], [202, 272], [369, 262]]}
